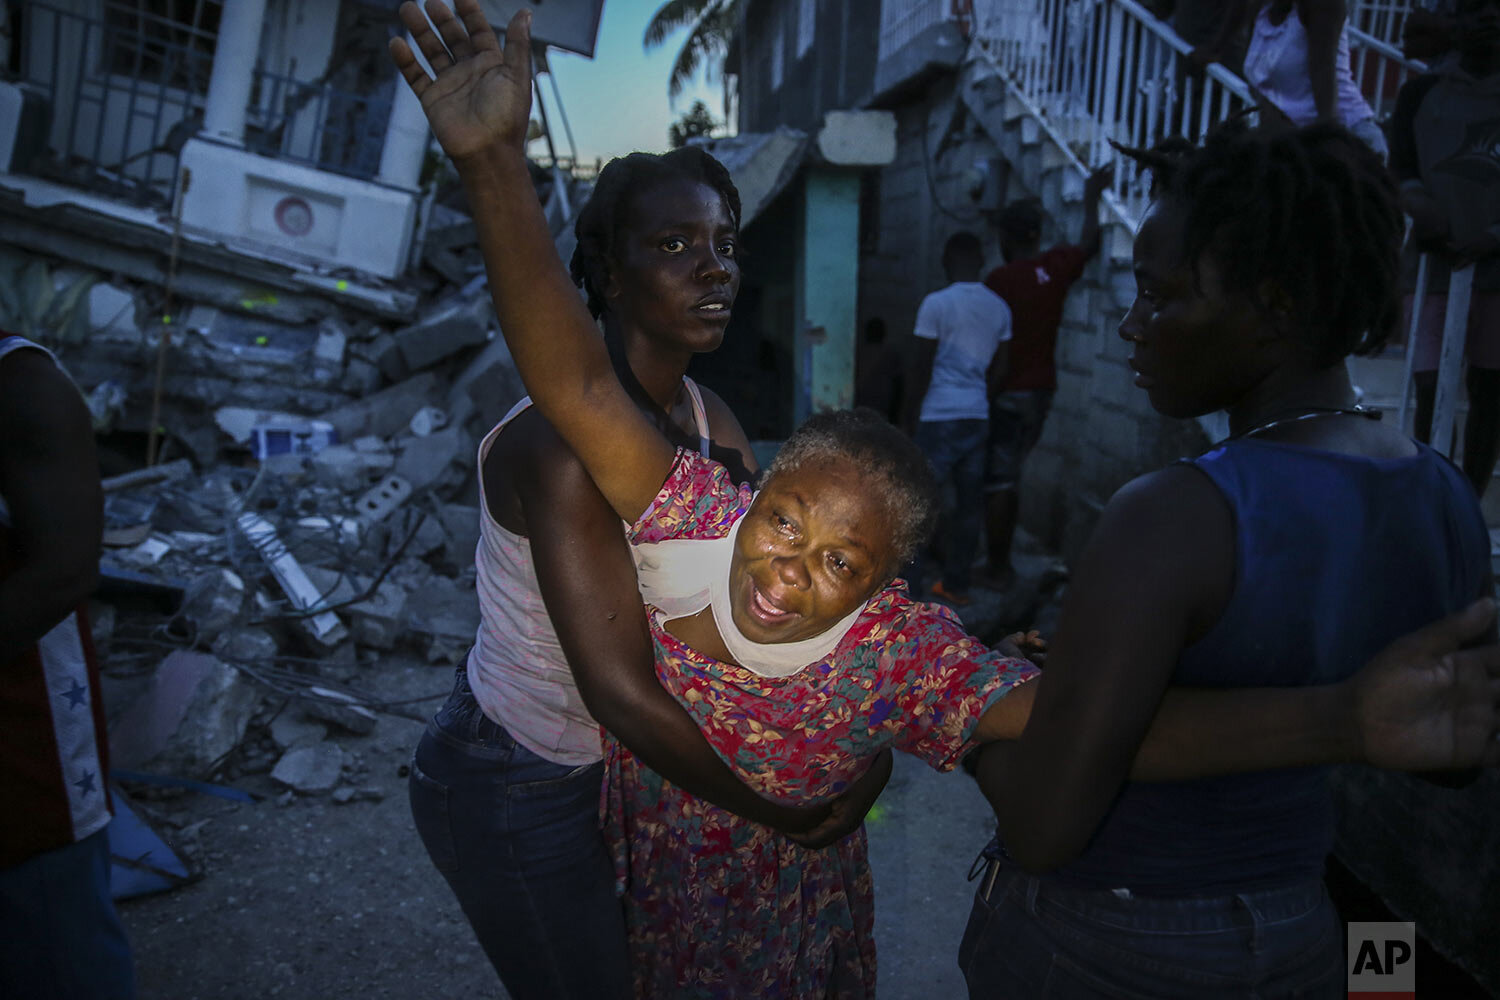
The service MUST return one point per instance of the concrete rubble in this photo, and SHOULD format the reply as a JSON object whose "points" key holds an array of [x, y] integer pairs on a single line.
{"points": [[312, 507]]}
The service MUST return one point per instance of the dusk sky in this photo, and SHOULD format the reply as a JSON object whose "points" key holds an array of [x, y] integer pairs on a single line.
{"points": [[617, 102]]}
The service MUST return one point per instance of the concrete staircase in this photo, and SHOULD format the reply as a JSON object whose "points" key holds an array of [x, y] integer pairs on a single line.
{"points": [[1042, 165]]}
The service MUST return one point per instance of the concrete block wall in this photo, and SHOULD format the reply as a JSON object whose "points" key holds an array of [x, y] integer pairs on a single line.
{"points": [[1102, 431]]}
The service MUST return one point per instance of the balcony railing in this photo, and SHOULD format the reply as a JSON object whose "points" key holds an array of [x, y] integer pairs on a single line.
{"points": [[1096, 70], [318, 124], [122, 102]]}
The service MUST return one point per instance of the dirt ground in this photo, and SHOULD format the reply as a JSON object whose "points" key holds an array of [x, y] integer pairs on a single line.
{"points": [[302, 897]]}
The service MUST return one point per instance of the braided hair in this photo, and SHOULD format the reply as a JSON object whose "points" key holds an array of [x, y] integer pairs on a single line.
{"points": [[622, 179], [892, 469], [1311, 212]]}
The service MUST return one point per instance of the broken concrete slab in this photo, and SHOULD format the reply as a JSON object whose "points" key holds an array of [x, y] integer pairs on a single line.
{"points": [[192, 716], [461, 522], [379, 621], [250, 645], [370, 443], [101, 618], [346, 468], [112, 309], [447, 328], [426, 420], [382, 499], [237, 338], [334, 585], [425, 462], [292, 729], [343, 710], [490, 384], [426, 530], [214, 601], [361, 376], [329, 347], [385, 412], [311, 770], [447, 614]]}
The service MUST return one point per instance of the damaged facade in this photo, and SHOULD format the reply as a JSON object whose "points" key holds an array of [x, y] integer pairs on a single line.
{"points": [[225, 221]]}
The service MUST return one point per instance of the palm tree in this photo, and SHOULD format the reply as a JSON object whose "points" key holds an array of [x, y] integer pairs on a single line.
{"points": [[712, 22]]}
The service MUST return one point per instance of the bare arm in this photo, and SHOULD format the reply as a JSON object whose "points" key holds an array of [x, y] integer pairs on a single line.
{"points": [[479, 107], [1149, 582], [1324, 20], [587, 581], [1093, 189], [50, 480]]}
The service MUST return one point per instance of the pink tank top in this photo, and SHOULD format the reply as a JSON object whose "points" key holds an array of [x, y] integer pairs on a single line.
{"points": [[517, 669]]}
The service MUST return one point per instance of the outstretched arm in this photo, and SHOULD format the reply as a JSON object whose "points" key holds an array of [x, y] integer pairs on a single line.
{"points": [[1324, 21], [587, 581], [1147, 585], [479, 105], [1093, 189]]}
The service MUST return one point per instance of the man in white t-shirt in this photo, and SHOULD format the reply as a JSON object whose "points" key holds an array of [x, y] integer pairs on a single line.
{"points": [[961, 333]]}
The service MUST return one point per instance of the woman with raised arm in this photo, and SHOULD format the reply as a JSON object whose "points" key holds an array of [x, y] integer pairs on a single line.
{"points": [[505, 785], [779, 623]]}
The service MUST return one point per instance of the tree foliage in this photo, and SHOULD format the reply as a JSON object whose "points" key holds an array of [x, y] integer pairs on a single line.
{"points": [[695, 123], [711, 25]]}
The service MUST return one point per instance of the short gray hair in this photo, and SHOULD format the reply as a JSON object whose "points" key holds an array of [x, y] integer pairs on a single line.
{"points": [[894, 470]]}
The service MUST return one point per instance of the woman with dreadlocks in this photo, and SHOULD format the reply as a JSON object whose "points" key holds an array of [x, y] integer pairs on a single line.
{"points": [[505, 784], [777, 617], [1310, 537]]}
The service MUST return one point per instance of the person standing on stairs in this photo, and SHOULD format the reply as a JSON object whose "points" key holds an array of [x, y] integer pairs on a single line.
{"points": [[1034, 284], [962, 333], [1444, 154]]}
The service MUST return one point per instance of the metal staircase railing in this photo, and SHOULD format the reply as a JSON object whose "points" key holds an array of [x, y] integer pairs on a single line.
{"points": [[1089, 71]]}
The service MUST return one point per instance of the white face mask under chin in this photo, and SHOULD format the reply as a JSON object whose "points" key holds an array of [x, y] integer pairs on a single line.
{"points": [[681, 577]]}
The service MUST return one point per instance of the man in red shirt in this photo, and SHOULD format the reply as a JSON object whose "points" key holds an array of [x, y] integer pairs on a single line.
{"points": [[60, 937], [1034, 284]]}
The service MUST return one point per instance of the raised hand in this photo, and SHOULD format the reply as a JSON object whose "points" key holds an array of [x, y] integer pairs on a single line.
{"points": [[1099, 179], [1424, 704], [481, 98]]}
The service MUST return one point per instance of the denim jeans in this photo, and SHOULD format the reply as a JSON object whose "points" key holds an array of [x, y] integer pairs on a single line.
{"points": [[60, 936], [1030, 939], [956, 451], [517, 837]]}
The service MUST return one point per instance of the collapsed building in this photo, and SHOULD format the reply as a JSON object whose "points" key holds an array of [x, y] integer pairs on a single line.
{"points": [[226, 221]]}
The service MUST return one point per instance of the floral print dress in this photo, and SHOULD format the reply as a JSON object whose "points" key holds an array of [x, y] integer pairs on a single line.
{"points": [[720, 907]]}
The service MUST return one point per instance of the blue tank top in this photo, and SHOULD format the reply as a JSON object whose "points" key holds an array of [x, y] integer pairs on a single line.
{"points": [[1335, 556]]}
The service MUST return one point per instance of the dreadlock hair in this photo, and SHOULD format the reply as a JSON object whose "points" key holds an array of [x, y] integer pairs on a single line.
{"points": [[621, 179], [892, 469], [1311, 212]]}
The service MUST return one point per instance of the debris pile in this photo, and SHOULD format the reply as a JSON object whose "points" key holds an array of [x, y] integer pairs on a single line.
{"points": [[311, 507]]}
